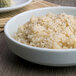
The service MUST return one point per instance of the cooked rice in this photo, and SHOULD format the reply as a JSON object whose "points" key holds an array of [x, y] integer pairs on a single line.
{"points": [[6, 3], [50, 31]]}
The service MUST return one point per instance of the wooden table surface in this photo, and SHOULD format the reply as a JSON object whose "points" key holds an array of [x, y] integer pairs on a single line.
{"points": [[12, 65]]}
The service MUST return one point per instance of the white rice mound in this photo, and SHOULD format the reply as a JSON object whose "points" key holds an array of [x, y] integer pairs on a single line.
{"points": [[52, 31]]}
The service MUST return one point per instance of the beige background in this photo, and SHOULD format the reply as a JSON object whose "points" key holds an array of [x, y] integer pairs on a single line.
{"points": [[64, 2]]}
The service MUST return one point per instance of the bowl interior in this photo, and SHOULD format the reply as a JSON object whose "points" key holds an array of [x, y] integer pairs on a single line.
{"points": [[12, 25], [18, 2]]}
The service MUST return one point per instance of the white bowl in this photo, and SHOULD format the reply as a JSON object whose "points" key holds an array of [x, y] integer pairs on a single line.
{"points": [[50, 57], [18, 4]]}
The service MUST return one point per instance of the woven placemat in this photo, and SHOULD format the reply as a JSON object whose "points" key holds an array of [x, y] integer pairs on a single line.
{"points": [[4, 17]]}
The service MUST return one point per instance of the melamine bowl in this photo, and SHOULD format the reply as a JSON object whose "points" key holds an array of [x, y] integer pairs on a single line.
{"points": [[43, 56]]}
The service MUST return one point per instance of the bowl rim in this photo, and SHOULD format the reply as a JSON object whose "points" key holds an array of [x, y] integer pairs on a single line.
{"points": [[31, 47]]}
